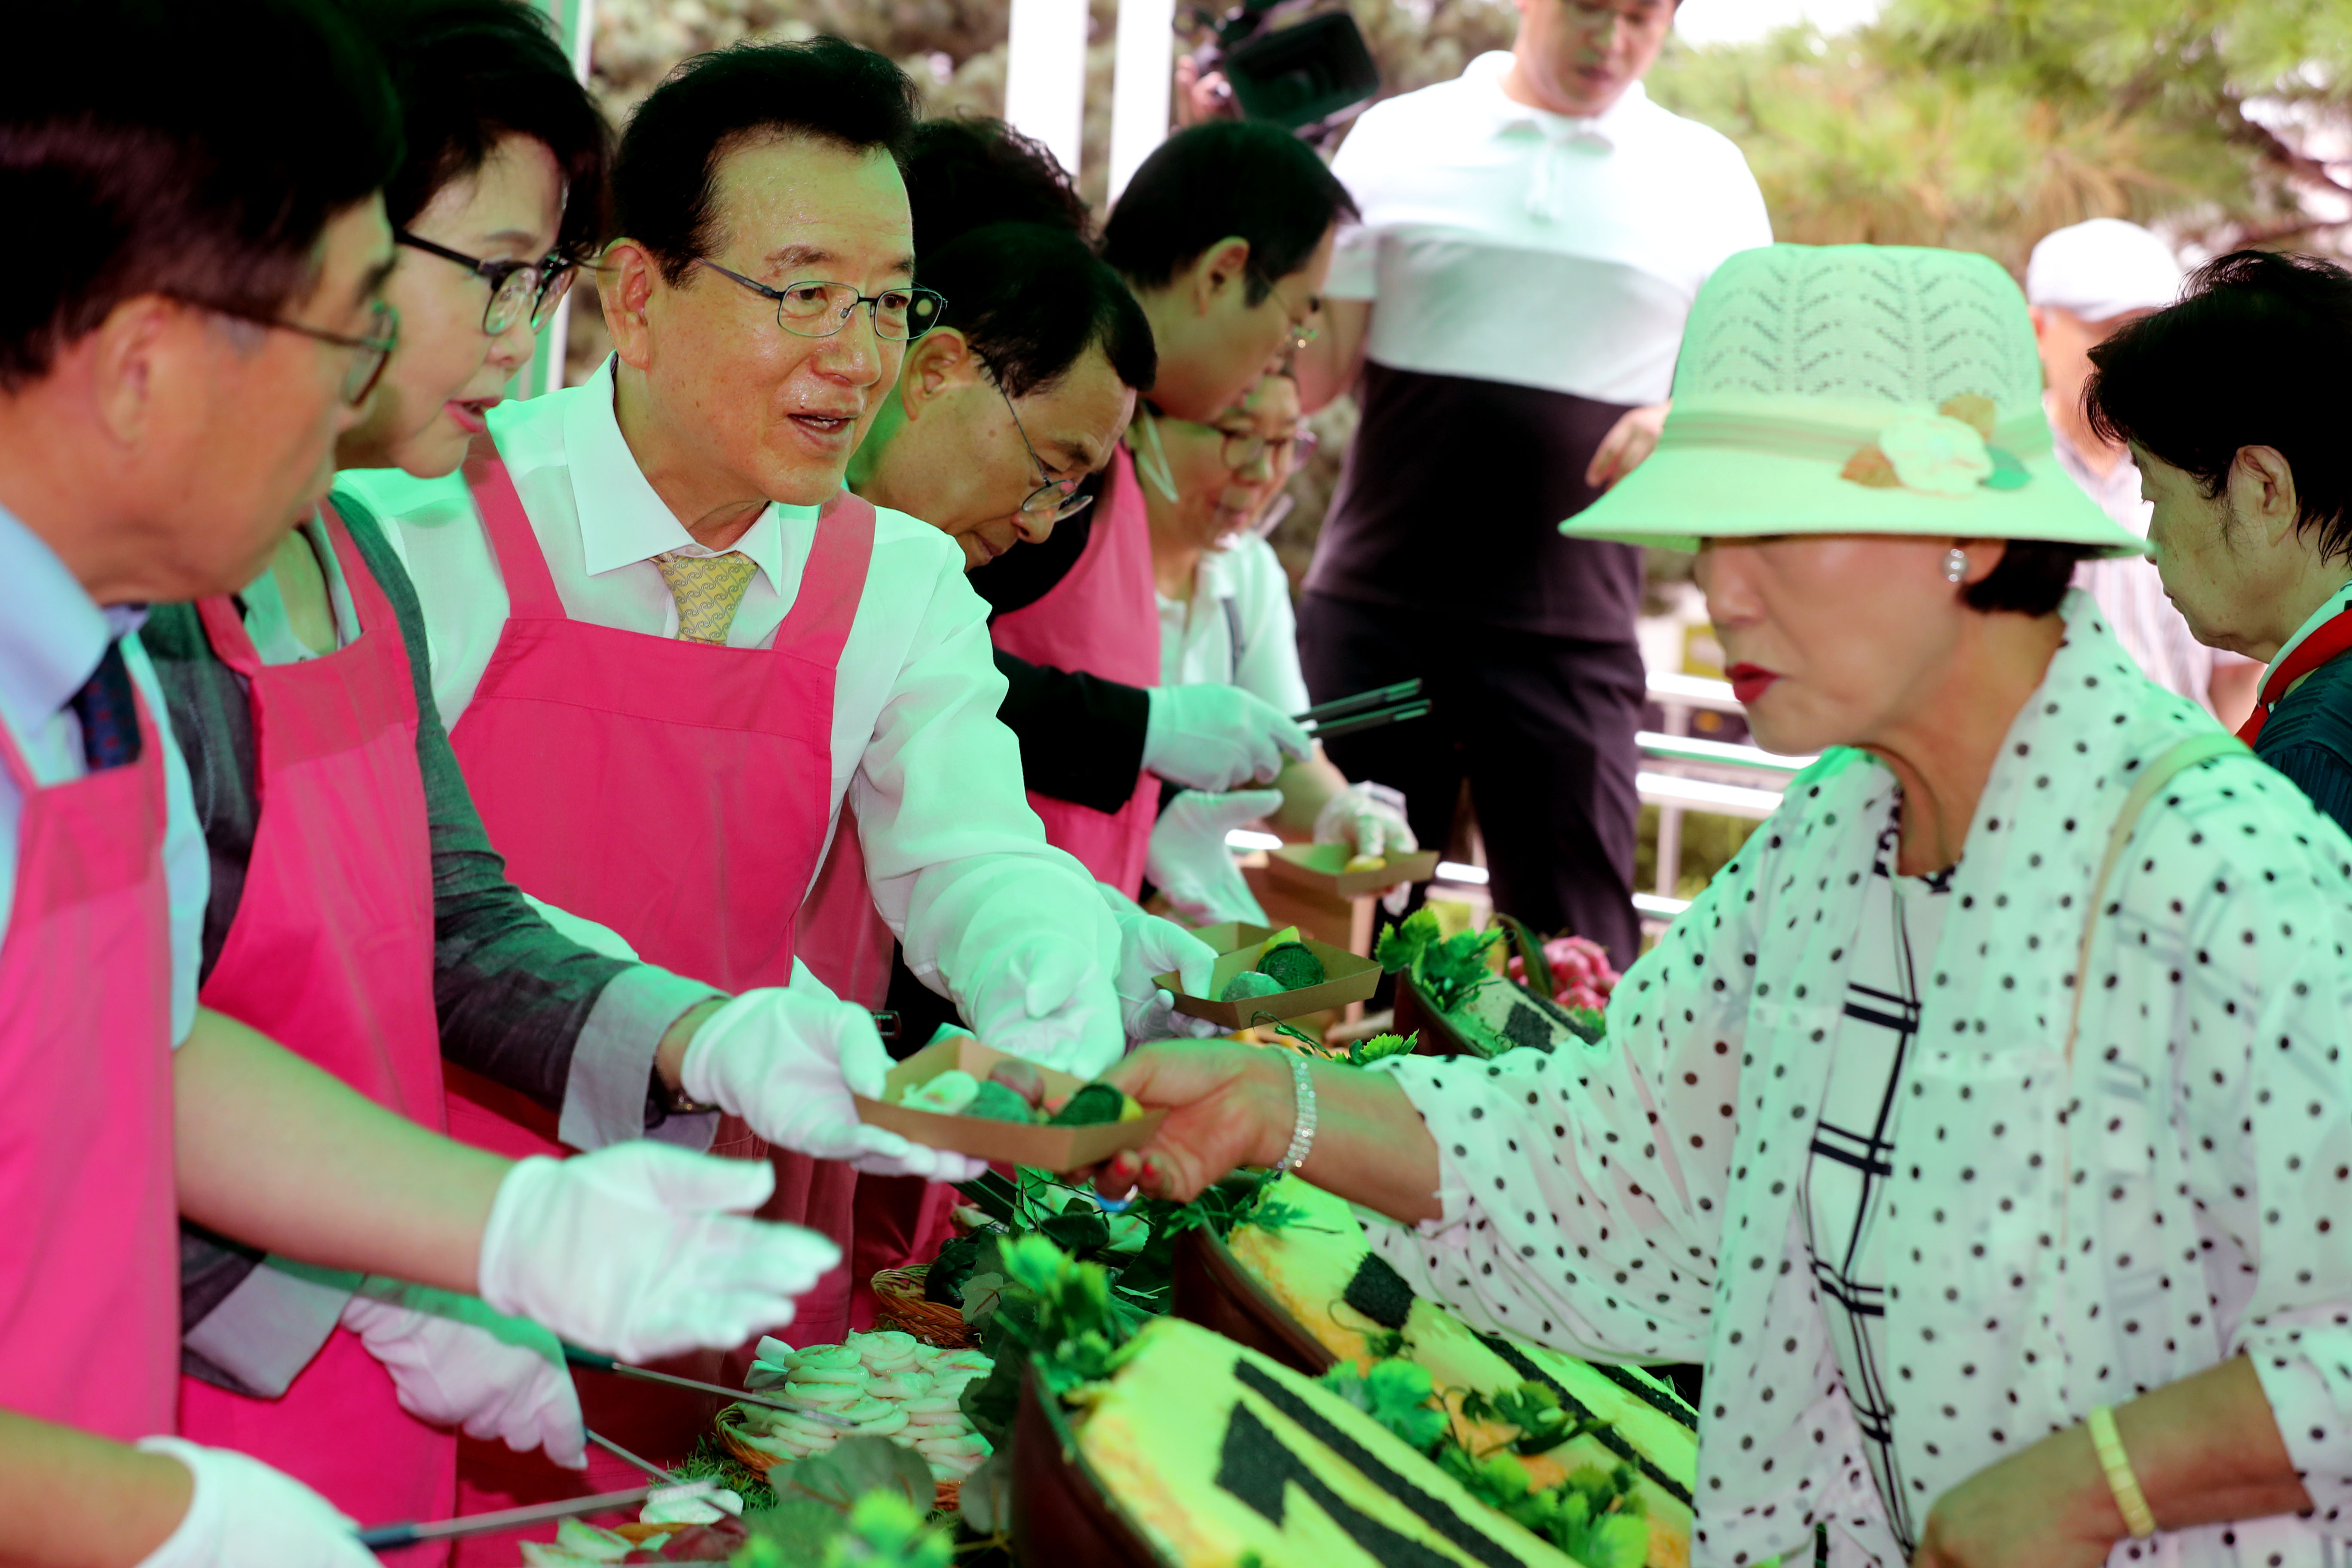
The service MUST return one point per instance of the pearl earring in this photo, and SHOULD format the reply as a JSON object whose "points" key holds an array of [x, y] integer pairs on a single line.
{"points": [[1956, 565]]}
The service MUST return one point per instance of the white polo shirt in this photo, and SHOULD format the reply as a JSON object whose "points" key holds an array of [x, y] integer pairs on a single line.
{"points": [[1237, 628], [1506, 243], [1529, 275]]}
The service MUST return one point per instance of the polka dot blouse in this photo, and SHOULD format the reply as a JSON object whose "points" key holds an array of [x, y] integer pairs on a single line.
{"points": [[2059, 1236]]}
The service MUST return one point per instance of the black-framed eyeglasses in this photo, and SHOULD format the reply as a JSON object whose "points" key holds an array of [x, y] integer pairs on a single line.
{"points": [[814, 309], [1054, 499], [371, 352], [515, 287]]}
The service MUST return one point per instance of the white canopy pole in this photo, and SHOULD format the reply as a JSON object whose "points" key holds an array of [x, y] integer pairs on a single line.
{"points": [[1140, 77], [1046, 75]]}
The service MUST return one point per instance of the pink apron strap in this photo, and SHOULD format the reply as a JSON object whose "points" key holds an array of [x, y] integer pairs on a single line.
{"points": [[531, 591], [368, 597], [225, 627], [832, 582]]}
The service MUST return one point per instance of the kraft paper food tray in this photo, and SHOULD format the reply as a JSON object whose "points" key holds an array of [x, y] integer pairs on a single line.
{"points": [[1317, 866], [1055, 1149], [1349, 979]]}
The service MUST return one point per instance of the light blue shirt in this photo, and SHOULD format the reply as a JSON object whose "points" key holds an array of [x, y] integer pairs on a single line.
{"points": [[52, 635]]}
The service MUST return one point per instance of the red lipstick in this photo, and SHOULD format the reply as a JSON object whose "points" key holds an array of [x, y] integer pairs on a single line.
{"points": [[1749, 681]]}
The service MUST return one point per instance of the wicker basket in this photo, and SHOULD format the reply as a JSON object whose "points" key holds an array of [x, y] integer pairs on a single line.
{"points": [[899, 1303], [946, 1498]]}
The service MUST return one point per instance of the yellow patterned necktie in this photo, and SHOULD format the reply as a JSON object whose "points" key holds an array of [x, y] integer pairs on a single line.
{"points": [[707, 588]]}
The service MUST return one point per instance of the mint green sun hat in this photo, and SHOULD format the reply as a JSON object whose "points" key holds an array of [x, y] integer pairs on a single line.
{"points": [[1854, 389]]}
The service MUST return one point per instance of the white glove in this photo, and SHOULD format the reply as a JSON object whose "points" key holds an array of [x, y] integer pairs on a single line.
{"points": [[1048, 1001], [1218, 738], [244, 1513], [1368, 816], [455, 1363], [1187, 860], [641, 1250], [786, 1060], [1148, 945]]}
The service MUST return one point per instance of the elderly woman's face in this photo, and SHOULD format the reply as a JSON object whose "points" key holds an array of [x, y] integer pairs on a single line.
{"points": [[1227, 472], [2212, 580], [1828, 638]]}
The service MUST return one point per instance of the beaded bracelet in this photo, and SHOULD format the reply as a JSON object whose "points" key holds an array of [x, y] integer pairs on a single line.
{"points": [[2109, 1443], [1302, 1129]]}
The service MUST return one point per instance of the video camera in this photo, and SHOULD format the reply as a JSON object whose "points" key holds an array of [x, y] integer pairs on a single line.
{"points": [[1309, 77]]}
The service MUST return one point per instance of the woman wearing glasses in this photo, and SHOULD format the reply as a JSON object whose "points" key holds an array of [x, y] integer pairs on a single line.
{"points": [[361, 917], [1225, 616]]}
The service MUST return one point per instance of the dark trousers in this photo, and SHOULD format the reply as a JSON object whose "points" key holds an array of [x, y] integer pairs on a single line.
{"points": [[1543, 729]]}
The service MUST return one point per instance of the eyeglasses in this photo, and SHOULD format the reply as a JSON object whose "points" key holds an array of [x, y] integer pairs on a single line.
{"points": [[371, 351], [1304, 328], [1054, 499], [515, 287], [812, 309], [1240, 448]]}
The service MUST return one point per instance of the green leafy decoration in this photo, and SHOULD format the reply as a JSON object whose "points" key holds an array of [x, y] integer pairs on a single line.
{"points": [[1380, 1048], [1397, 1394], [1443, 969]]}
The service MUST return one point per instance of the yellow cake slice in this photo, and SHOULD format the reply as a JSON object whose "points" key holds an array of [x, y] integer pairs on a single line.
{"points": [[1220, 1455], [1319, 1267]]}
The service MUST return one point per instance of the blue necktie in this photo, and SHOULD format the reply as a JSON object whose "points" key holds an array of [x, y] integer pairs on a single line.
{"points": [[109, 713]]}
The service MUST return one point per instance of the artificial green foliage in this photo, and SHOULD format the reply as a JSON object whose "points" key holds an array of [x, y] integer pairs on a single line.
{"points": [[1380, 1048], [709, 1461], [1397, 1394], [1535, 1410], [1059, 1319], [1593, 1516], [862, 1504], [1443, 969]]}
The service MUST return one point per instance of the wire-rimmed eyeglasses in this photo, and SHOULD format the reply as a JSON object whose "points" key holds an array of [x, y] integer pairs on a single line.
{"points": [[817, 309]]}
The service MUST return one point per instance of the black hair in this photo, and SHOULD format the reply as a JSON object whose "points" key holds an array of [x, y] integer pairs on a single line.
{"points": [[468, 72], [1224, 178], [2253, 355], [1032, 300], [665, 177], [193, 148], [966, 170], [2030, 578]]}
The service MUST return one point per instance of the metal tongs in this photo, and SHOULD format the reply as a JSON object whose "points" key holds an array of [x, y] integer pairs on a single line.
{"points": [[596, 1363], [1366, 710], [384, 1536]]}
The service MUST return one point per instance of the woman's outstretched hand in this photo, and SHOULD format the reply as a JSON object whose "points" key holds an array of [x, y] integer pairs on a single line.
{"points": [[1228, 1105]]}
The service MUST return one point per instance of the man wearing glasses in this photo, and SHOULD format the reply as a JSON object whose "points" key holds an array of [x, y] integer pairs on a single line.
{"points": [[670, 650], [1533, 235]]}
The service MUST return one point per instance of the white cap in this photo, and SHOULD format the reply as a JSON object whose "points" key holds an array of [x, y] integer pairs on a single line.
{"points": [[2102, 270]]}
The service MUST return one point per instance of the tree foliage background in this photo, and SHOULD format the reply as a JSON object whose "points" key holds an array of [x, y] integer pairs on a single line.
{"points": [[1977, 124]]}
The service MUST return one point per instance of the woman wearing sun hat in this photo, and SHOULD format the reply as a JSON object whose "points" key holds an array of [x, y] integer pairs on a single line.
{"points": [[1984, 1126]]}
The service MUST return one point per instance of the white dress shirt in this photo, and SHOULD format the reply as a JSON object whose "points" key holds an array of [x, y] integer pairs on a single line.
{"points": [[52, 636], [1237, 628], [1504, 243], [958, 863]]}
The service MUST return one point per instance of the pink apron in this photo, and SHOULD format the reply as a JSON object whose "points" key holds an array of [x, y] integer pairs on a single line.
{"points": [[1102, 619], [677, 793], [90, 1259], [331, 956]]}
